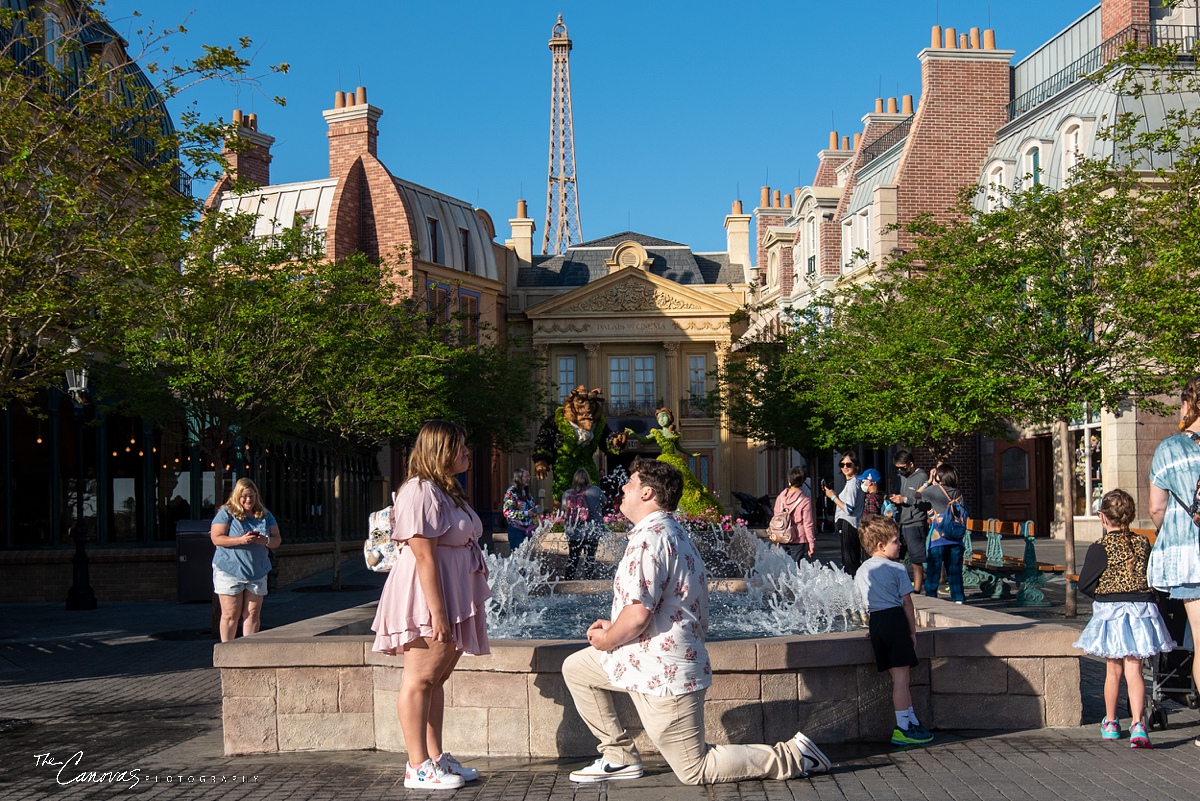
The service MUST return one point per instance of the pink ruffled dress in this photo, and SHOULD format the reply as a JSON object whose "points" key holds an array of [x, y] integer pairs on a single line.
{"points": [[423, 510]]}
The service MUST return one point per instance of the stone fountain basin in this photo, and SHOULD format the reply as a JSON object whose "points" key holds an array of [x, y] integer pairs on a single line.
{"points": [[317, 685]]}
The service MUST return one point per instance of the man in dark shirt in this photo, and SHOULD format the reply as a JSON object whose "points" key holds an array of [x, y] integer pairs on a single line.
{"points": [[913, 521]]}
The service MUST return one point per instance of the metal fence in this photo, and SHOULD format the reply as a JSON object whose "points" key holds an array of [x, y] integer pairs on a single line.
{"points": [[886, 142]]}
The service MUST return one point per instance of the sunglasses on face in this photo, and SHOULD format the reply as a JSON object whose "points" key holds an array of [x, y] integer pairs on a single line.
{"points": [[846, 464]]}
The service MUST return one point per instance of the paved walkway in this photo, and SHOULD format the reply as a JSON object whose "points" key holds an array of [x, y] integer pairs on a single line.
{"points": [[129, 687]]}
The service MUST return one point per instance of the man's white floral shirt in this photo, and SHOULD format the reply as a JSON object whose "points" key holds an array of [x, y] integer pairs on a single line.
{"points": [[663, 571]]}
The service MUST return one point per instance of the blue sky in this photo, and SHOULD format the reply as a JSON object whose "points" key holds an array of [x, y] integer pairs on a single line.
{"points": [[679, 107]]}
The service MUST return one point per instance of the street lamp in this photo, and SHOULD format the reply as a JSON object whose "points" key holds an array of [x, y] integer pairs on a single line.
{"points": [[80, 596]]}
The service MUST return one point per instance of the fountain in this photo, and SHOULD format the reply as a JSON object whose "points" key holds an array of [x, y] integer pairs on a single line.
{"points": [[317, 685]]}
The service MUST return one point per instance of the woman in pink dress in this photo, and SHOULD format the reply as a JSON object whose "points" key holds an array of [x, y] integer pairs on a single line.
{"points": [[433, 604]]}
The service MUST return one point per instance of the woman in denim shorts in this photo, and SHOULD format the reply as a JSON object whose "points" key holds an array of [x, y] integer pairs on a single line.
{"points": [[243, 530]]}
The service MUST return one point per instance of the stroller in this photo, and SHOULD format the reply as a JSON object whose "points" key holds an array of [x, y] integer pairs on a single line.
{"points": [[1170, 674]]}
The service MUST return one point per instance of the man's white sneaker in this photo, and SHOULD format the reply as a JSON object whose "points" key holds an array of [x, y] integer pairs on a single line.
{"points": [[811, 757], [429, 775], [602, 770], [453, 766]]}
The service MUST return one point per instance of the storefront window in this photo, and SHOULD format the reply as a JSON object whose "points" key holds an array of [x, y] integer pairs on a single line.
{"points": [[1088, 454]]}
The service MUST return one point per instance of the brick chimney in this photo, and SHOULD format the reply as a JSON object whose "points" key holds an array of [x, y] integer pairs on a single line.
{"points": [[737, 238], [1117, 15], [251, 160], [353, 129], [964, 94], [770, 212]]}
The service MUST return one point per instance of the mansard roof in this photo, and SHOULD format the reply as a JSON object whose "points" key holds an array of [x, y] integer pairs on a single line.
{"points": [[585, 263]]}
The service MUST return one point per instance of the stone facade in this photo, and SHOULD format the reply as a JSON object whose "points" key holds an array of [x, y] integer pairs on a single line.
{"points": [[317, 685]]}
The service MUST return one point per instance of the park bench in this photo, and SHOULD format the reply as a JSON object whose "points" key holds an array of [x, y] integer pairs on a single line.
{"points": [[993, 569]]}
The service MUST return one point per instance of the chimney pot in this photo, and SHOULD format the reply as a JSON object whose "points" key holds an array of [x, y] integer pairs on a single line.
{"points": [[962, 41], [339, 99], [891, 105], [775, 200], [764, 197], [237, 117], [951, 39], [522, 209], [350, 99], [974, 38], [787, 201], [907, 104], [360, 96], [879, 105], [737, 207], [935, 37], [833, 140], [254, 121], [989, 39], [857, 138], [845, 143]]}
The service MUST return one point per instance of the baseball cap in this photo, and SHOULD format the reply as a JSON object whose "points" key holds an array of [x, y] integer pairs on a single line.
{"points": [[870, 474]]}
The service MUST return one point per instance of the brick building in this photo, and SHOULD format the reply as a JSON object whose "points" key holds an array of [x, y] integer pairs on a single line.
{"points": [[981, 119]]}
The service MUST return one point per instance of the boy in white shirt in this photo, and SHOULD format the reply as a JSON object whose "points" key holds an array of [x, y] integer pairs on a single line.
{"points": [[883, 584]]}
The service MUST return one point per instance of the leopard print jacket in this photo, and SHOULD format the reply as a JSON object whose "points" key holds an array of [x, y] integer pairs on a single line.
{"points": [[1126, 569]]}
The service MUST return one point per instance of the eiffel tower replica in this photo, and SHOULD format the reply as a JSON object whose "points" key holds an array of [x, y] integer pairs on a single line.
{"points": [[563, 227]]}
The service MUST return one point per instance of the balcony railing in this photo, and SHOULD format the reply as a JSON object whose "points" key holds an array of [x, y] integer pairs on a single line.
{"points": [[696, 406], [1142, 35], [643, 407], [886, 142]]}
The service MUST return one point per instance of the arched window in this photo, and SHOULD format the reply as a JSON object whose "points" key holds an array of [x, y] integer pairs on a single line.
{"points": [[1072, 148], [1033, 165], [996, 182], [53, 39]]}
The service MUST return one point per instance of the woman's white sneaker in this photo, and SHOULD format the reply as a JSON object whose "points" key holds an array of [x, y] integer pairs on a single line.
{"points": [[453, 766], [429, 775], [602, 770]]}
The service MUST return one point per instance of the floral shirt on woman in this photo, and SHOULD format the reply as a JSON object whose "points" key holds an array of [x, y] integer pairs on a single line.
{"points": [[518, 510], [663, 571]]}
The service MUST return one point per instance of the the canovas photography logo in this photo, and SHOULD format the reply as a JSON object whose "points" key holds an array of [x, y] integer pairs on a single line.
{"points": [[71, 770]]}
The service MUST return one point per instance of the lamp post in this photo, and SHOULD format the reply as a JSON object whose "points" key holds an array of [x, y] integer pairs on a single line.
{"points": [[80, 596]]}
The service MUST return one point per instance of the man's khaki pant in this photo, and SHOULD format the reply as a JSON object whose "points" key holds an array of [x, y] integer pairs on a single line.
{"points": [[675, 724]]}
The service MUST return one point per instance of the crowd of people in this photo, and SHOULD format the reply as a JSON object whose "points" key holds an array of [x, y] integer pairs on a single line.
{"points": [[652, 645]]}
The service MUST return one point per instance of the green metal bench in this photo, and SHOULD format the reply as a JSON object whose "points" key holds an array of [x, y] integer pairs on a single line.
{"points": [[1028, 574]]}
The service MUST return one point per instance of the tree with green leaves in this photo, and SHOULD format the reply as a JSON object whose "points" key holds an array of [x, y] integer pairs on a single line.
{"points": [[92, 186]]}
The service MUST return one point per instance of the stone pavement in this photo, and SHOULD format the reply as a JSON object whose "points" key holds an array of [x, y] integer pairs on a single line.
{"points": [[129, 688]]}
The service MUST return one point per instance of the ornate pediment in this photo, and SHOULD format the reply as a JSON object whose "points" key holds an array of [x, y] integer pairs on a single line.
{"points": [[631, 296]]}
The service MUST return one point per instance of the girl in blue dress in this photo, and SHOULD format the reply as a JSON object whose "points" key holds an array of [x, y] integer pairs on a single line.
{"points": [[1126, 626]]}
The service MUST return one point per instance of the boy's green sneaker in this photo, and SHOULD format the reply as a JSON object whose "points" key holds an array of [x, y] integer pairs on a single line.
{"points": [[913, 735]]}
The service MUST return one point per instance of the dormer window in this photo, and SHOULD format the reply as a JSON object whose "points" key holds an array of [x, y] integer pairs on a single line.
{"points": [[1073, 136], [1033, 165], [996, 181], [53, 33], [435, 241]]}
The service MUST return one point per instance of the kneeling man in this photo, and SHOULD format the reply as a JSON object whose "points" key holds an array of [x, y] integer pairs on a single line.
{"points": [[653, 649]]}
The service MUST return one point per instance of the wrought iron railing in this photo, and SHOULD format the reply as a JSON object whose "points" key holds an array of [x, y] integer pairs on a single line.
{"points": [[695, 406], [642, 407], [884, 143], [1141, 35]]}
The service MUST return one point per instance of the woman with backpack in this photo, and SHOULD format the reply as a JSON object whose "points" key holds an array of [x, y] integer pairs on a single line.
{"points": [[1174, 494], [583, 505], [794, 502], [944, 547]]}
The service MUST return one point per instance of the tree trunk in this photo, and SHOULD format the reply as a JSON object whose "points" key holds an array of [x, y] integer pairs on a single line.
{"points": [[1067, 479], [338, 464]]}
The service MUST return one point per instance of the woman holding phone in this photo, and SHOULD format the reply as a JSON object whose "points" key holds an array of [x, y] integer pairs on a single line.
{"points": [[242, 531]]}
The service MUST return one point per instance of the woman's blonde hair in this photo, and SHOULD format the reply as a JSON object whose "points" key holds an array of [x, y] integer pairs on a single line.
{"points": [[433, 456], [234, 508]]}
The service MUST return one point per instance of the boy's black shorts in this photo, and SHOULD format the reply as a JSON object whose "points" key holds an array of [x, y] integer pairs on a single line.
{"points": [[891, 640]]}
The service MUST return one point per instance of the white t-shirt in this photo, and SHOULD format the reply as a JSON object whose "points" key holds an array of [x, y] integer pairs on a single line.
{"points": [[663, 571], [882, 583]]}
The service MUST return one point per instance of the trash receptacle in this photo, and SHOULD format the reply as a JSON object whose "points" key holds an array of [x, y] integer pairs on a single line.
{"points": [[193, 560]]}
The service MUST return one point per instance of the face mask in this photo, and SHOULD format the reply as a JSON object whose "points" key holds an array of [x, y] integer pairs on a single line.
{"points": [[906, 471]]}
